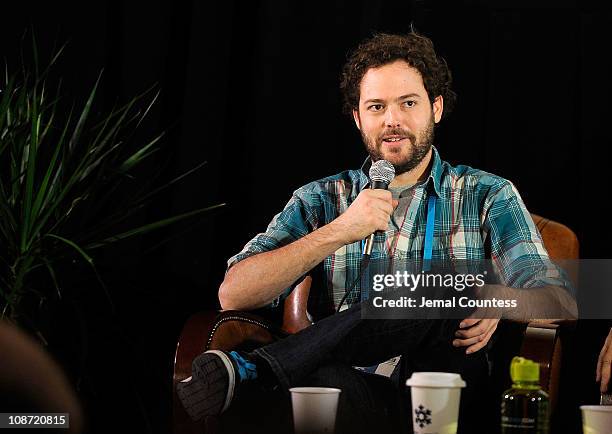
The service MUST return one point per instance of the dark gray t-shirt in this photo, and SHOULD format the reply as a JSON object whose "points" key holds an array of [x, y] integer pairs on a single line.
{"points": [[404, 195]]}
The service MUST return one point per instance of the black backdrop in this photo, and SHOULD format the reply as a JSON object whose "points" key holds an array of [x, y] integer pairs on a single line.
{"points": [[252, 88]]}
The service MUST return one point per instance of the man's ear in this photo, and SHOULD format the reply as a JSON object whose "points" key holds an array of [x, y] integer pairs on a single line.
{"points": [[438, 108], [356, 119]]}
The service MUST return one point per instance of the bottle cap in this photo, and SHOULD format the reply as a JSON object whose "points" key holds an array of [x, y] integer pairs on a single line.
{"points": [[522, 369]]}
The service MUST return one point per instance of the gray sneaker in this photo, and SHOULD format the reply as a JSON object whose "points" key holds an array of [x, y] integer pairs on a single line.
{"points": [[211, 388]]}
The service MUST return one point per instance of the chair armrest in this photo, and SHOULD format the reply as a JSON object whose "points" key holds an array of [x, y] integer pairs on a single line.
{"points": [[192, 342], [295, 312], [542, 343]]}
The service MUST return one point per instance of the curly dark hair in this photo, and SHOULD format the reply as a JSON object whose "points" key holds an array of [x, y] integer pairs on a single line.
{"points": [[382, 49]]}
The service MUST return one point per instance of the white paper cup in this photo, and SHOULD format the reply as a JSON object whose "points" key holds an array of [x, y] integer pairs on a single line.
{"points": [[314, 409], [435, 402], [596, 419]]}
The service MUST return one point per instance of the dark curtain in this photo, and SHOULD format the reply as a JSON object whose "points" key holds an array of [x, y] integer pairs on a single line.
{"points": [[252, 88]]}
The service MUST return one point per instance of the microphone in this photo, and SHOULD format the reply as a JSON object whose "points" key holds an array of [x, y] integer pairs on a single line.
{"points": [[381, 174]]}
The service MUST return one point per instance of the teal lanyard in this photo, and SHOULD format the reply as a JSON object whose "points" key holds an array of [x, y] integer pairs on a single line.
{"points": [[429, 232]]}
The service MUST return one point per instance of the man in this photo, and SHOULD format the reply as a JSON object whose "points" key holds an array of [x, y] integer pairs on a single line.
{"points": [[396, 90]]}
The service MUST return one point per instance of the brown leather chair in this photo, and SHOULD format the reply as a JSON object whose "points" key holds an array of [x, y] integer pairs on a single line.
{"points": [[229, 330]]}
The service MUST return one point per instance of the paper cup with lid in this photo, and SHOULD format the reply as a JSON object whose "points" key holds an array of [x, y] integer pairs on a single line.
{"points": [[435, 401]]}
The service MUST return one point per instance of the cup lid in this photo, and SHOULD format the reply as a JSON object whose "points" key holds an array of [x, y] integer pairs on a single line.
{"points": [[435, 379]]}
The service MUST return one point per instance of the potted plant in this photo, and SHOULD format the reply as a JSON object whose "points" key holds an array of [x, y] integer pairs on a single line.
{"points": [[60, 171]]}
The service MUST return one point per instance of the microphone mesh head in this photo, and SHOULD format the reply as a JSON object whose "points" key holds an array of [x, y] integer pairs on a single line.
{"points": [[382, 171]]}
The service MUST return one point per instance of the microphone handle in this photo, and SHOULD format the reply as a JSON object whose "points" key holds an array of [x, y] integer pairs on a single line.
{"points": [[382, 185], [369, 242]]}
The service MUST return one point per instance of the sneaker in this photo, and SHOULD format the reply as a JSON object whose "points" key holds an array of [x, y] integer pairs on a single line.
{"points": [[211, 388]]}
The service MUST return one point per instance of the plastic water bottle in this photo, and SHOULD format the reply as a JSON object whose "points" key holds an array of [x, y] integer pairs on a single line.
{"points": [[524, 407]]}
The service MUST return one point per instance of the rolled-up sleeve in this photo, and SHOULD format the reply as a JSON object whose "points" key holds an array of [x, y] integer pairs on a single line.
{"points": [[297, 219]]}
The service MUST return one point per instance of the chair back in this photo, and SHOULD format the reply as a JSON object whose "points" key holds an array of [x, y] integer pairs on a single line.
{"points": [[560, 241]]}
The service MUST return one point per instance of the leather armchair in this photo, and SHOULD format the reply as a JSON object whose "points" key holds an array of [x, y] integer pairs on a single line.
{"points": [[230, 330]]}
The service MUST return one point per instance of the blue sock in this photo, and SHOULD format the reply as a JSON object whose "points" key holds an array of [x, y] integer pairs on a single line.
{"points": [[246, 369]]}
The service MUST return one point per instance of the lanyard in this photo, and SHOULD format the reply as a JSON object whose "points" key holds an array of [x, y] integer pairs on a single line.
{"points": [[429, 232]]}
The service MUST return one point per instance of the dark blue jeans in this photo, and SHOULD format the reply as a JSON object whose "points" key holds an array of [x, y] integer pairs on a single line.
{"points": [[322, 355]]}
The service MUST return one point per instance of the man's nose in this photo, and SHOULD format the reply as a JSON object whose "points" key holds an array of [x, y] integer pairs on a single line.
{"points": [[392, 118]]}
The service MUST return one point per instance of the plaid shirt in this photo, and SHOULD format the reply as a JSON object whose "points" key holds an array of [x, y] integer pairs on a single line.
{"points": [[478, 216]]}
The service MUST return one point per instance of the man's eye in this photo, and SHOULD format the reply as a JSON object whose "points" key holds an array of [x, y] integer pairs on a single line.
{"points": [[375, 107], [409, 103]]}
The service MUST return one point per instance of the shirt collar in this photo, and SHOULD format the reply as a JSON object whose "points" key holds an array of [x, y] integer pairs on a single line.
{"points": [[435, 174]]}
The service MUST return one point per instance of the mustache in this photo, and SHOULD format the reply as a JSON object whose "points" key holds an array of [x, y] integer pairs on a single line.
{"points": [[397, 132]]}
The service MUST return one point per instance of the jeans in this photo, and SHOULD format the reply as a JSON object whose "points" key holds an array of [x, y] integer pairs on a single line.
{"points": [[322, 355]]}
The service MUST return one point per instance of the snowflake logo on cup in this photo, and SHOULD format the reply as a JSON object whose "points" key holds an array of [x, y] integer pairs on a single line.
{"points": [[423, 416]]}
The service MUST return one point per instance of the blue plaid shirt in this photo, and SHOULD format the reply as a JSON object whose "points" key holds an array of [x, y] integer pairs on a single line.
{"points": [[478, 216]]}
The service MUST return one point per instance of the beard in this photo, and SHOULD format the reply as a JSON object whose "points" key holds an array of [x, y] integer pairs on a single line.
{"points": [[418, 150]]}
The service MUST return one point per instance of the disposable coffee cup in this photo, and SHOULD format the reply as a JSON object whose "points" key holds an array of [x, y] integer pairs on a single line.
{"points": [[596, 419], [435, 402], [314, 409]]}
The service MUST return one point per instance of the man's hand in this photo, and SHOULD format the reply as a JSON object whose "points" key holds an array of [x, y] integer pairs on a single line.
{"points": [[475, 333], [369, 212], [603, 364]]}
